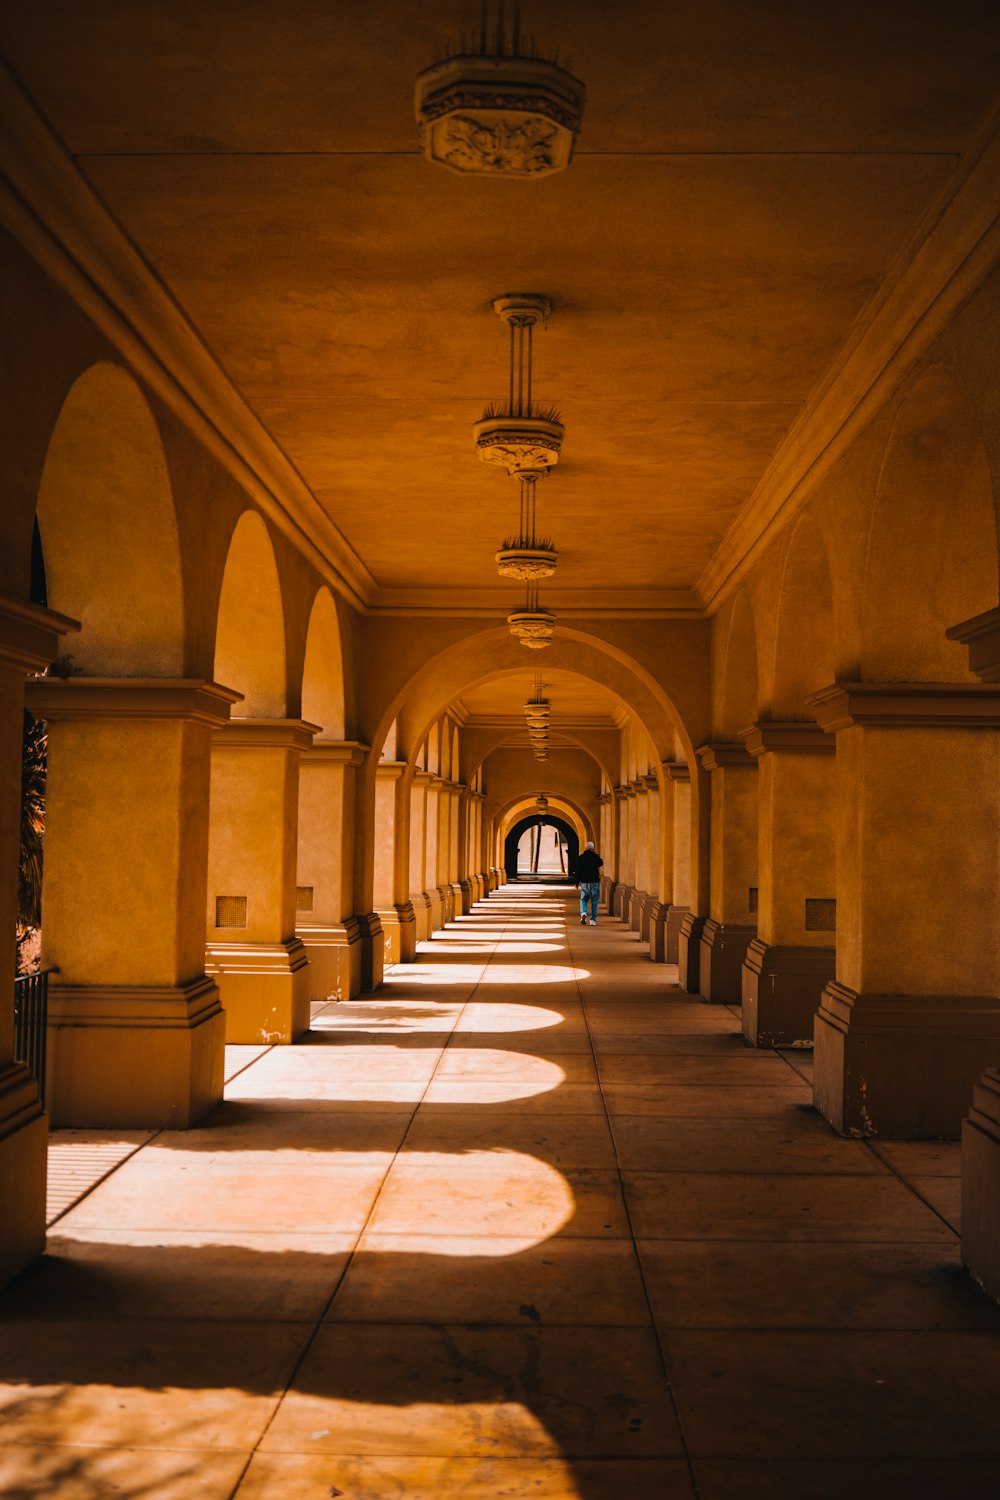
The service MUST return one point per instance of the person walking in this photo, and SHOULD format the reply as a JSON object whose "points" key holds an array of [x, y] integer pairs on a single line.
{"points": [[588, 877]]}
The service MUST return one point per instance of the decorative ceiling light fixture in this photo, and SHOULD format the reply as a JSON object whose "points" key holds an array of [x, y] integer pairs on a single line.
{"points": [[532, 625], [542, 802], [499, 109], [519, 435], [536, 713]]}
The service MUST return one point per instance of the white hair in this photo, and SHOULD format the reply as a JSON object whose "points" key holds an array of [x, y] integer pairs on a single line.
{"points": [[589, 844]]}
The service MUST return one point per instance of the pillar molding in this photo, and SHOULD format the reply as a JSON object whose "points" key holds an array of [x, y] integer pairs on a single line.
{"points": [[330, 932], [913, 1016], [727, 933], [981, 1184], [788, 737], [29, 641], [149, 994], [264, 978]]}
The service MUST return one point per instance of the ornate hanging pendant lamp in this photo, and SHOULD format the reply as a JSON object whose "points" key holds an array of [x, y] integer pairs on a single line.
{"points": [[533, 625], [495, 108], [519, 435]]}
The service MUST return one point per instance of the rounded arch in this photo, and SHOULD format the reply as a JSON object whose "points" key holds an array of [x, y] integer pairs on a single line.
{"points": [[521, 807], [323, 669], [548, 820], [804, 646], [109, 530], [250, 628], [932, 540], [738, 705]]}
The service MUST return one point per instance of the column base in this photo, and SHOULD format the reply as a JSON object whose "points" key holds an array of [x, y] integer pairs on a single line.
{"points": [[334, 954], [657, 913], [782, 989], [635, 910], [608, 888], [688, 947], [902, 1066], [493, 880], [399, 933], [434, 909], [673, 922], [467, 896], [981, 1184], [723, 948], [372, 952], [24, 1138], [421, 904], [646, 904], [623, 896], [135, 1056]]}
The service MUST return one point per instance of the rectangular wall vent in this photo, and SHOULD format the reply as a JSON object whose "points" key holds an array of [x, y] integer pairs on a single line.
{"points": [[304, 898], [752, 902], [821, 914], [230, 911]]}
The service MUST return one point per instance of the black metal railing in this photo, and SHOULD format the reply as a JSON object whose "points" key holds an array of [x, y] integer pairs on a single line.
{"points": [[31, 1014]]}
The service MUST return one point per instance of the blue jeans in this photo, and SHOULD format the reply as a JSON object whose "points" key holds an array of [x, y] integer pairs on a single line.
{"points": [[590, 890]]}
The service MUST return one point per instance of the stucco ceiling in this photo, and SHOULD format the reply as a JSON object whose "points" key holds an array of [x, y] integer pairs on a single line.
{"points": [[745, 176]]}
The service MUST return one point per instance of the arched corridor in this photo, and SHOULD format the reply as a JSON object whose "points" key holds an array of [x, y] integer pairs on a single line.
{"points": [[422, 459], [531, 1220]]}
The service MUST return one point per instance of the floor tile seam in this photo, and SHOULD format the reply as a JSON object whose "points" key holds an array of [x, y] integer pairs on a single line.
{"points": [[349, 1258], [780, 1176], [647, 1297], [912, 1188], [246, 1066], [93, 1186]]}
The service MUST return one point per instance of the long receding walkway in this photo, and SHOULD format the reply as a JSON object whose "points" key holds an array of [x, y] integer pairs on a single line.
{"points": [[530, 1223]]}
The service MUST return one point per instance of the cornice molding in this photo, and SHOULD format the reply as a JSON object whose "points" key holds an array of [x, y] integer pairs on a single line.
{"points": [[950, 252], [677, 770], [266, 734], [725, 756], [981, 635], [787, 737], [336, 753], [567, 604], [50, 209], [390, 770], [189, 698], [908, 705], [30, 634]]}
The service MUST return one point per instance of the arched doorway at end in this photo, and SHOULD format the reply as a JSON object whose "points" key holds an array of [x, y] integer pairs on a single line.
{"points": [[547, 820]]}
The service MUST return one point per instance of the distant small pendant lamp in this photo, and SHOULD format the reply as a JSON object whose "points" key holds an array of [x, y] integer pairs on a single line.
{"points": [[498, 108]]}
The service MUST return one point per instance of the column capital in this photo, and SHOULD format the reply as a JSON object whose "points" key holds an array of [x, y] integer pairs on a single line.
{"points": [[605, 799], [788, 737], [192, 698], [677, 770], [908, 705], [621, 792], [29, 634], [390, 770], [724, 755], [267, 734], [638, 788], [424, 778], [982, 636], [336, 753], [652, 782]]}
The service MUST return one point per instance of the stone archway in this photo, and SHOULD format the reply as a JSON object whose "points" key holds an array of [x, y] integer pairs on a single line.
{"points": [[547, 820]]}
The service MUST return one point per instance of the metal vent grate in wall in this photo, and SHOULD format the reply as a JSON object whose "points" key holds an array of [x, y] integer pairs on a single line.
{"points": [[304, 898], [821, 914], [230, 911]]}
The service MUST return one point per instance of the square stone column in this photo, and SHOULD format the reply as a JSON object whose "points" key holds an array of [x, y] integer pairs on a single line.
{"points": [[639, 807], [453, 792], [793, 955], [259, 961], [653, 859], [730, 929], [683, 927], [623, 887], [419, 898], [913, 1016], [29, 641], [136, 1030], [607, 851], [399, 923], [432, 834], [326, 924]]}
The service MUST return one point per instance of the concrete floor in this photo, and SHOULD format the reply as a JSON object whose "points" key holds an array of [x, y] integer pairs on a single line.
{"points": [[529, 1223]]}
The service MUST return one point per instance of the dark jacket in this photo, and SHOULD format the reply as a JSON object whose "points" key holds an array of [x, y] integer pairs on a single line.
{"points": [[588, 866]]}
